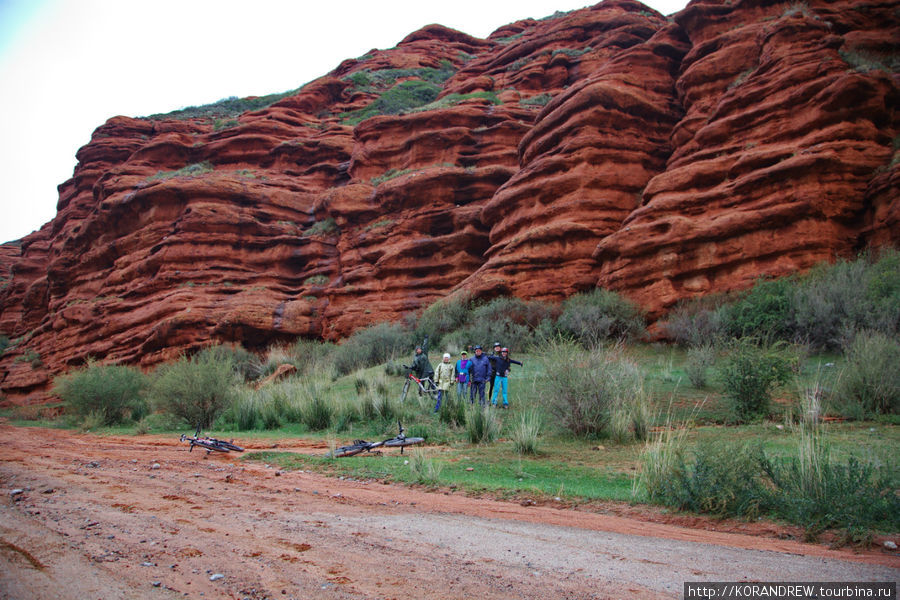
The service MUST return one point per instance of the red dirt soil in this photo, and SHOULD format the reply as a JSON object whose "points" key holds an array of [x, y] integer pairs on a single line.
{"points": [[98, 518]]}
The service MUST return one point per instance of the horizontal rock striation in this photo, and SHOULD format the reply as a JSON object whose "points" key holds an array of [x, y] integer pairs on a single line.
{"points": [[665, 158]]}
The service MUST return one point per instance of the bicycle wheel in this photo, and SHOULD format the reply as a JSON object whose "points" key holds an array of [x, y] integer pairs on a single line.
{"points": [[402, 442], [228, 445], [209, 445], [351, 450], [405, 390]]}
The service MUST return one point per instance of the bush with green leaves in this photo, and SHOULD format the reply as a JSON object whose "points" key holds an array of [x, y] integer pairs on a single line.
{"points": [[372, 346], [749, 372], [4, 344], [723, 479], [195, 389], [764, 311], [511, 321], [598, 316], [697, 322], [584, 389], [404, 96], [699, 360], [811, 489], [227, 107], [871, 378], [444, 316], [112, 393], [526, 431], [834, 301], [482, 425]]}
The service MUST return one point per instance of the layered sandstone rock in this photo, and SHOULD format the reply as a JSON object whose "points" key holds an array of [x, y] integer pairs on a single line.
{"points": [[661, 157]]}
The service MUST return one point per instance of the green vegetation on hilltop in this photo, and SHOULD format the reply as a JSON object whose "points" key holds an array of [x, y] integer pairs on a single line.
{"points": [[226, 108]]}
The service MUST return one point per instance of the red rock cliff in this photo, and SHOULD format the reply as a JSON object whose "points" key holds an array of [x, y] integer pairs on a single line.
{"points": [[612, 146]]}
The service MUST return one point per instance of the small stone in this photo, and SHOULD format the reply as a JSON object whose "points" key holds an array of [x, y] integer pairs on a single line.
{"points": [[16, 492], [156, 583], [146, 564], [470, 468], [155, 466], [890, 545], [216, 577]]}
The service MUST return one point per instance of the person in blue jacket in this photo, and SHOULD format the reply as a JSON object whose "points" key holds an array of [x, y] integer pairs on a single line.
{"points": [[462, 374], [479, 371], [502, 364]]}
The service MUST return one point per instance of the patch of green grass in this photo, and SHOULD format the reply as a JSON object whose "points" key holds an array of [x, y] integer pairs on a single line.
{"points": [[454, 99], [497, 471], [326, 227], [192, 170], [539, 100], [226, 109], [316, 280], [404, 96]]}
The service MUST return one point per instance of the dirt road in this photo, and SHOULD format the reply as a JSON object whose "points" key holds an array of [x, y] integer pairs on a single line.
{"points": [[140, 517]]}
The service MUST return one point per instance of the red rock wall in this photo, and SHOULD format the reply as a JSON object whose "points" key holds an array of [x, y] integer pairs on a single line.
{"points": [[664, 158]]}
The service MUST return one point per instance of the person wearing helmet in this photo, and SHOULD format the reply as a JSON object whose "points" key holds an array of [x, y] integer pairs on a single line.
{"points": [[443, 378], [495, 353], [479, 371], [502, 364]]}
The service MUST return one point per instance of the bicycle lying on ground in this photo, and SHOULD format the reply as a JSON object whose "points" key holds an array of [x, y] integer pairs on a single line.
{"points": [[426, 385], [210, 444], [401, 441]]}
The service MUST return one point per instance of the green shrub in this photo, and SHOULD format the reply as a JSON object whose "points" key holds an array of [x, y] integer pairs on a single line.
{"points": [[112, 393], [425, 470], [442, 317], [191, 170], [453, 410], [763, 312], [371, 346], [227, 107], [404, 96], [600, 315], [539, 100], [697, 322], [511, 321], [526, 432], [871, 377], [809, 489], [246, 365], [317, 413], [244, 413], [4, 344], [698, 362], [319, 228], [482, 426], [723, 479], [749, 372], [196, 389], [854, 496], [848, 296], [454, 99], [584, 387]]}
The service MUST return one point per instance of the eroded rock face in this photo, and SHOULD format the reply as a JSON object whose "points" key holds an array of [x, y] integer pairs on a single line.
{"points": [[612, 146]]}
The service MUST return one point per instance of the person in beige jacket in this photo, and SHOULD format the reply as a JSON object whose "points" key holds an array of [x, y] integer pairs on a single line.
{"points": [[444, 376]]}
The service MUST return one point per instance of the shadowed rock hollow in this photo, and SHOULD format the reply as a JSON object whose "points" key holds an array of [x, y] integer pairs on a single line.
{"points": [[664, 158]]}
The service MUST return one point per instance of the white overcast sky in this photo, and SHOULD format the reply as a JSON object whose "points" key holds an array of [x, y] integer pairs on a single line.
{"points": [[66, 66]]}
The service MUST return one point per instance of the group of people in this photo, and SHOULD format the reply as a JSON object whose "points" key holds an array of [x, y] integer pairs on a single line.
{"points": [[473, 373]]}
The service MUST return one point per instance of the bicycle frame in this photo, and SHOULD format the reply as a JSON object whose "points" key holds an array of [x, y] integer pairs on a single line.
{"points": [[359, 446]]}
